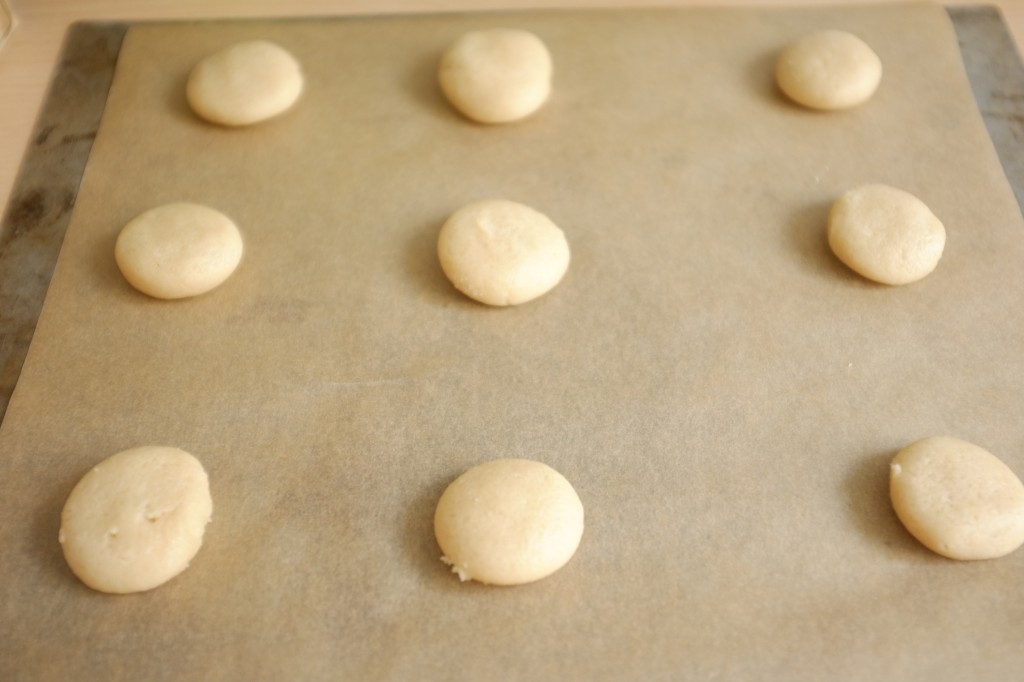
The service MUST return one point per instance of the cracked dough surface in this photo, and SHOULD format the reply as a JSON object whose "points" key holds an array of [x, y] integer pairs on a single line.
{"points": [[958, 499], [828, 70], [178, 250], [502, 253], [245, 83], [136, 519], [508, 522], [886, 234], [497, 75]]}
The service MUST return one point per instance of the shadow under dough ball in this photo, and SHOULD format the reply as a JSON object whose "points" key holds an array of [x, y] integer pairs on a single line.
{"points": [[958, 499], [245, 83], [508, 522], [497, 75], [885, 234], [136, 519], [502, 253], [178, 250], [828, 70]]}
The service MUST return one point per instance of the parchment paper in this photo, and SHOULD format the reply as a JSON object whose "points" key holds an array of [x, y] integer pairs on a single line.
{"points": [[723, 393]]}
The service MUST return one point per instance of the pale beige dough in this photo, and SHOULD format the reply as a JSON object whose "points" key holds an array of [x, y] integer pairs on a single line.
{"points": [[886, 234], [502, 253], [136, 520], [829, 70], [178, 250], [508, 522], [245, 83], [496, 75], [958, 499]]}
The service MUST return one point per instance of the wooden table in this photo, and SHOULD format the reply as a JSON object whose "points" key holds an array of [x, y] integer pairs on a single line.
{"points": [[28, 56]]}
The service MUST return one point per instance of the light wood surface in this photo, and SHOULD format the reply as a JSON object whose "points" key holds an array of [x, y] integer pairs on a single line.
{"points": [[28, 56]]}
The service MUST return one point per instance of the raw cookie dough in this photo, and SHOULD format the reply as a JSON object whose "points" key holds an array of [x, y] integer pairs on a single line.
{"points": [[497, 75], [245, 83], [508, 522], [829, 70], [502, 253], [885, 234], [958, 499], [178, 250], [136, 519]]}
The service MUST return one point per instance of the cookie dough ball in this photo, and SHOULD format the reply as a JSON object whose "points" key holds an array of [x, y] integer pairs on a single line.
{"points": [[245, 83], [829, 70], [508, 522], [502, 253], [885, 234], [959, 500], [178, 250], [136, 520], [496, 76]]}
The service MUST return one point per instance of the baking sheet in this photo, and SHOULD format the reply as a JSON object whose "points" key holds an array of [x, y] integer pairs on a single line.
{"points": [[37, 216], [724, 395]]}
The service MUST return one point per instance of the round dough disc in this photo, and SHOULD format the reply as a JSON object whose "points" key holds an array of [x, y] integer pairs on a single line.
{"points": [[244, 83], [178, 250], [497, 75], [136, 520], [502, 253], [508, 522], [958, 499], [885, 234], [829, 70]]}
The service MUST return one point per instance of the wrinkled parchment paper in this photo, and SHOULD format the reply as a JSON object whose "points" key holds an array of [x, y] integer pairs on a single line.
{"points": [[722, 392]]}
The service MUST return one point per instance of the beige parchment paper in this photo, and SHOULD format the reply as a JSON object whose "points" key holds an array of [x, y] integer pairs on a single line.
{"points": [[722, 392]]}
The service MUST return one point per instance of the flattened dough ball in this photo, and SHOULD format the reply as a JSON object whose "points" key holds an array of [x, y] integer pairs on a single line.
{"points": [[957, 499], [136, 520], [497, 75], [508, 522], [245, 83], [885, 234], [829, 70], [502, 253], [178, 250]]}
